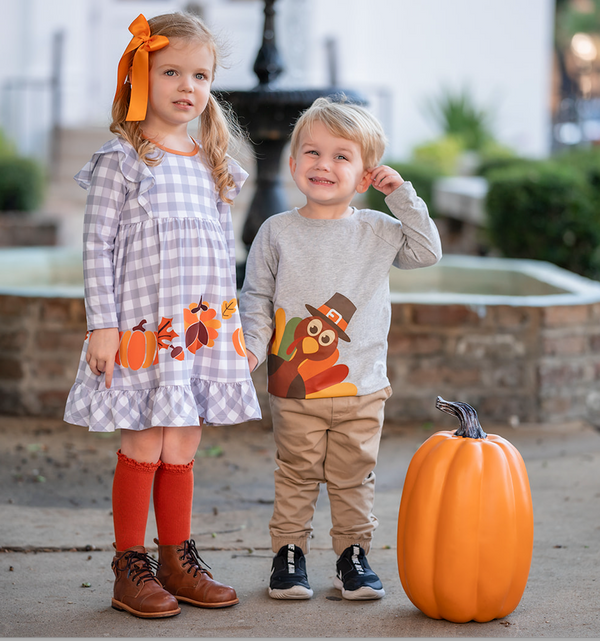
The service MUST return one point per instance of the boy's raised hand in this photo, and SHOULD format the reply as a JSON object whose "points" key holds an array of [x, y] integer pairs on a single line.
{"points": [[385, 179]]}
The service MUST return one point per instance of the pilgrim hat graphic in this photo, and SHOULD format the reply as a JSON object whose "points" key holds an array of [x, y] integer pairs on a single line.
{"points": [[337, 311]]}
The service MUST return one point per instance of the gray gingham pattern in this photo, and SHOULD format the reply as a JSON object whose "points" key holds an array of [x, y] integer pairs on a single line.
{"points": [[158, 240]]}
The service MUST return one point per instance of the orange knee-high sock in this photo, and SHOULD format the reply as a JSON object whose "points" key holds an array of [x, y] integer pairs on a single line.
{"points": [[173, 494], [132, 488]]}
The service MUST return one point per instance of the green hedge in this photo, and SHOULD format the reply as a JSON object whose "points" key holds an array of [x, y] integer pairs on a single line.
{"points": [[586, 161], [21, 184], [422, 178], [546, 211], [490, 165]]}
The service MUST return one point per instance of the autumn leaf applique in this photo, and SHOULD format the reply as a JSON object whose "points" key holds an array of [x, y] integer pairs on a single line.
{"points": [[165, 333], [228, 308], [200, 326], [165, 336]]}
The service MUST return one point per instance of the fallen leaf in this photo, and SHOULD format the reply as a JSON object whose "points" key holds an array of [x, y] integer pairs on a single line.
{"points": [[37, 447], [213, 451]]}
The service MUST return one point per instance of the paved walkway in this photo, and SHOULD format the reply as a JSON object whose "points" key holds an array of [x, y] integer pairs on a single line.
{"points": [[56, 536]]}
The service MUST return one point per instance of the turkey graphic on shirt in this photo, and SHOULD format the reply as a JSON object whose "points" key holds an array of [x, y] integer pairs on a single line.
{"points": [[303, 354]]}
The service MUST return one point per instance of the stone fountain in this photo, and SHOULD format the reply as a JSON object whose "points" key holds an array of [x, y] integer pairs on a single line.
{"points": [[268, 113]]}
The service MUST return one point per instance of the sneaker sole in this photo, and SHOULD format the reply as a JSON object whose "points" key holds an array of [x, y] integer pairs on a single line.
{"points": [[364, 593], [296, 592]]}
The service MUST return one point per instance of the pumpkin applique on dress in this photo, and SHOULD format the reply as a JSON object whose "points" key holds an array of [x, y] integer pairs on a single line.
{"points": [[139, 347]]}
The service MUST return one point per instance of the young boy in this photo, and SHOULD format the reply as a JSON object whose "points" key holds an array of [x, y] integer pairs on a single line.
{"points": [[316, 297]]}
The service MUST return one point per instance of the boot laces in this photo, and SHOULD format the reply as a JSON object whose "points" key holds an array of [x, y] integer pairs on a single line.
{"points": [[192, 558], [140, 567]]}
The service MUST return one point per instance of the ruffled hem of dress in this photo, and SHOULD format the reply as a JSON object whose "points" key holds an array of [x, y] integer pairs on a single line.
{"points": [[170, 406]]}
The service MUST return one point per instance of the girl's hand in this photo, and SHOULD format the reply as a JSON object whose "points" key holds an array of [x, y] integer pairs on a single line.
{"points": [[385, 179], [101, 352], [252, 361]]}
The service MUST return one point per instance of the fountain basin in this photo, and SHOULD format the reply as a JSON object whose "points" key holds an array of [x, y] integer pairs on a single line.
{"points": [[42, 328], [517, 339], [476, 280]]}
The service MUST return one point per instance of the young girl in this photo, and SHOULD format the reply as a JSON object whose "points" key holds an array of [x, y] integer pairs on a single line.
{"points": [[164, 350]]}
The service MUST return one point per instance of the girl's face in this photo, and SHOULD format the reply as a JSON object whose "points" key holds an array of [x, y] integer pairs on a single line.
{"points": [[180, 78]]}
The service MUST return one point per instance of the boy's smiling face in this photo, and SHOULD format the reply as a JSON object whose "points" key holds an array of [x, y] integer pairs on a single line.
{"points": [[328, 170]]}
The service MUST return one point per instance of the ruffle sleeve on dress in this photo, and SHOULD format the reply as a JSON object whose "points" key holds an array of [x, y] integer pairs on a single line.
{"points": [[239, 177], [133, 169]]}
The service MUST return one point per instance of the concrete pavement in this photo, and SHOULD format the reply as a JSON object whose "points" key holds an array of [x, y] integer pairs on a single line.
{"points": [[56, 538]]}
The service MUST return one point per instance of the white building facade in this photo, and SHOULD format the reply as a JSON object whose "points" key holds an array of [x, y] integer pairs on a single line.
{"points": [[398, 53]]}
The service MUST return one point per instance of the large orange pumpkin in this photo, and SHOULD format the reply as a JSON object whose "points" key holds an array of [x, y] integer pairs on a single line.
{"points": [[465, 528]]}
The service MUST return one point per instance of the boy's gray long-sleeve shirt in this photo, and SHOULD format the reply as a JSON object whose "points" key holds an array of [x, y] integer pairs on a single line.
{"points": [[316, 294]]}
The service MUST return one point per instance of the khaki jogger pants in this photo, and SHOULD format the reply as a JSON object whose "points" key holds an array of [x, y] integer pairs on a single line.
{"points": [[333, 441]]}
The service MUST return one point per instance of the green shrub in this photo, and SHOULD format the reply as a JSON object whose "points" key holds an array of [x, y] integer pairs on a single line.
{"points": [[422, 178], [496, 156], [6, 147], [586, 161], [545, 211], [21, 184], [457, 115], [441, 155], [490, 165]]}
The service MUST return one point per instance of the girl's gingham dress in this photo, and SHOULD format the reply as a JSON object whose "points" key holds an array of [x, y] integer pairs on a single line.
{"points": [[159, 264]]}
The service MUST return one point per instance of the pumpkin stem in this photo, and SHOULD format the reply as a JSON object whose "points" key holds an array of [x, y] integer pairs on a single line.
{"points": [[140, 327], [469, 423]]}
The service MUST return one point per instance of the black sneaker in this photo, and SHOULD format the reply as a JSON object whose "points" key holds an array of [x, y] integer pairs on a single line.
{"points": [[288, 574], [354, 576]]}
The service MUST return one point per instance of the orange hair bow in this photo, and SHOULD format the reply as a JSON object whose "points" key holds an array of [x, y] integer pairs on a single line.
{"points": [[136, 58]]}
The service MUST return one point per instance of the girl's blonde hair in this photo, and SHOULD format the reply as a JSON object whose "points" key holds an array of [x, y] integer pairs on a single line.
{"points": [[217, 123], [344, 119]]}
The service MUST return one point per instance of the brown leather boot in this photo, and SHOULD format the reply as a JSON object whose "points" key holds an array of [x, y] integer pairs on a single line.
{"points": [[137, 590], [184, 577]]}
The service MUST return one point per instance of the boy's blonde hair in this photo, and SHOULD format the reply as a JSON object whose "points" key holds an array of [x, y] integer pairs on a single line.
{"points": [[217, 124], [344, 119]]}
